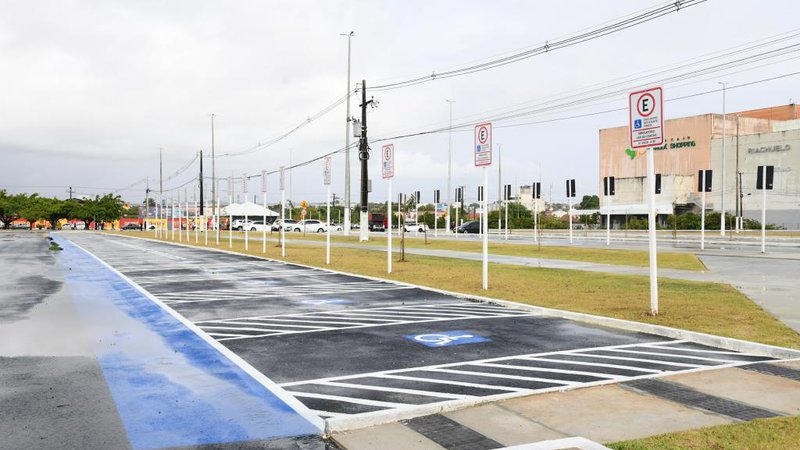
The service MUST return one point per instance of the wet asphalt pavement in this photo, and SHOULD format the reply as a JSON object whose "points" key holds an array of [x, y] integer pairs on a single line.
{"points": [[52, 390], [345, 345]]}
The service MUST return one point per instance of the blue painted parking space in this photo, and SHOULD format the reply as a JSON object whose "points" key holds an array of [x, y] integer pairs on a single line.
{"points": [[172, 388]]}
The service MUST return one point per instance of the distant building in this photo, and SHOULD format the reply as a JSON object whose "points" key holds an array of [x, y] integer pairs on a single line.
{"points": [[767, 136], [525, 197]]}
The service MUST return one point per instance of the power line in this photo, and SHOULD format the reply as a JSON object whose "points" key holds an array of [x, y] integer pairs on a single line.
{"points": [[594, 33]]}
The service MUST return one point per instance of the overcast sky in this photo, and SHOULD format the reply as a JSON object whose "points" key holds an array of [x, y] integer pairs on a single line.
{"points": [[92, 89]]}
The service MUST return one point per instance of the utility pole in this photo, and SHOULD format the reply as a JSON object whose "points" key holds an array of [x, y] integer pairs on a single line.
{"points": [[499, 186], [363, 155], [347, 142], [722, 190], [449, 164]]}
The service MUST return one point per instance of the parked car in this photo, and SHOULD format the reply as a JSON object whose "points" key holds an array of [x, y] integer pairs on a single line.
{"points": [[276, 226], [131, 226], [414, 226], [256, 225], [310, 226], [20, 226], [473, 226]]}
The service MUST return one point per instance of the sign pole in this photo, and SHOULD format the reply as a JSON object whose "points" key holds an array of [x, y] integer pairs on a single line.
{"points": [[230, 212], [186, 204], [506, 222], [647, 131], [764, 209], [283, 212], [387, 171], [483, 158], [703, 212], [245, 226], [196, 231], [485, 230], [216, 211], [264, 223], [389, 232], [651, 225], [608, 212], [535, 221], [569, 213], [264, 219], [327, 181]]}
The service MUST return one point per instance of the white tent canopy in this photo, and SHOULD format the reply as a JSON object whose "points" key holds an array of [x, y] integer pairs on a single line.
{"points": [[247, 209]]}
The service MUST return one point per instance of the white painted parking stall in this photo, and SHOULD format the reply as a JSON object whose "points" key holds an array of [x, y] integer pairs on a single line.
{"points": [[496, 378], [264, 326]]}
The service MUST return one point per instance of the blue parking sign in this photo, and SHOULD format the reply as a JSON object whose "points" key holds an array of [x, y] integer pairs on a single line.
{"points": [[447, 338], [637, 123]]}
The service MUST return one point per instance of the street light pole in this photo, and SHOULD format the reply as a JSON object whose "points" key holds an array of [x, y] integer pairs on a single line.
{"points": [[347, 142], [722, 189], [449, 163]]}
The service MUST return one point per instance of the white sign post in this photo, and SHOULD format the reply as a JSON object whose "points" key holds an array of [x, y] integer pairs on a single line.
{"points": [[647, 131], [245, 226], [283, 211], [327, 180], [264, 219], [387, 165], [230, 211], [483, 158]]}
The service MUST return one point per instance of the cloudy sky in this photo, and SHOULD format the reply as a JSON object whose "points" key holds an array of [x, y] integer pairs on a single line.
{"points": [[91, 90]]}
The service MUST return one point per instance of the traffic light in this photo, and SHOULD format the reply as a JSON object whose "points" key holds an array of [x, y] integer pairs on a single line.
{"points": [[537, 190], [658, 183]]}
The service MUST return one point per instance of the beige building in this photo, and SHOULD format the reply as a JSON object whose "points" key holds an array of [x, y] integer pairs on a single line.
{"points": [[525, 197], [690, 144]]}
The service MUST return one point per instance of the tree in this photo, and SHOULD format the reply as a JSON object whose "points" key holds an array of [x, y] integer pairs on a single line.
{"points": [[589, 202], [10, 207]]}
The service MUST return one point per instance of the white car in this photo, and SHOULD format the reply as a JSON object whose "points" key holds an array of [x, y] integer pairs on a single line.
{"points": [[309, 226], [250, 225], [414, 226]]}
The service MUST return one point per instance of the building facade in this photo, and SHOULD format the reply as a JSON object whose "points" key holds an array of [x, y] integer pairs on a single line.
{"points": [[752, 138]]}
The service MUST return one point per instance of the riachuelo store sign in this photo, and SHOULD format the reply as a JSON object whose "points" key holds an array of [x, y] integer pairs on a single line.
{"points": [[686, 143]]}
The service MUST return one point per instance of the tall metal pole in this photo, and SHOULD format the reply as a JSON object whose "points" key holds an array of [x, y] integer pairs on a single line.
{"points": [[201, 213], [347, 143], [608, 211], [722, 190], [449, 164], [389, 230], [764, 209]]}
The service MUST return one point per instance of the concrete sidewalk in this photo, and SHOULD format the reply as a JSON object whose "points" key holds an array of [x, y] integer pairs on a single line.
{"points": [[605, 414]]}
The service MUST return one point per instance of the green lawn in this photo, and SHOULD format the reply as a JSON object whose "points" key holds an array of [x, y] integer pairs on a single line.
{"points": [[705, 307], [780, 433], [468, 243]]}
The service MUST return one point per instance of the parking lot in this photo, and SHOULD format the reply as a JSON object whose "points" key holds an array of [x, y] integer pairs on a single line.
{"points": [[346, 345]]}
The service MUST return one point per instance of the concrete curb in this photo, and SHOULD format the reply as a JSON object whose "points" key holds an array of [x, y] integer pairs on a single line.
{"points": [[383, 417]]}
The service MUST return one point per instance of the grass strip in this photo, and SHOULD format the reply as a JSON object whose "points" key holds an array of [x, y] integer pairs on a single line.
{"points": [[469, 243], [779, 433]]}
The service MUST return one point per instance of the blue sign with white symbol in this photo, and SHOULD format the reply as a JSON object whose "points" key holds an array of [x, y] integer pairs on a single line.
{"points": [[447, 338], [637, 124]]}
